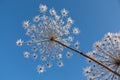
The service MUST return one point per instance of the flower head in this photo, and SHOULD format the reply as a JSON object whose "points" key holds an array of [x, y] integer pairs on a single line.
{"points": [[26, 24], [60, 63], [26, 54], [69, 54], [52, 11], [36, 18], [76, 31], [44, 31], [19, 42], [43, 8], [87, 70], [64, 12], [40, 69], [48, 65], [107, 52]]}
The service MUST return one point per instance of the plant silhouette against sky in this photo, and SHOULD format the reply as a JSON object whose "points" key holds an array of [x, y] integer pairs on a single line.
{"points": [[43, 30], [49, 34]]}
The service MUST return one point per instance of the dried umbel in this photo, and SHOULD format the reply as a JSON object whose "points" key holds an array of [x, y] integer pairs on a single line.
{"points": [[107, 52], [45, 29]]}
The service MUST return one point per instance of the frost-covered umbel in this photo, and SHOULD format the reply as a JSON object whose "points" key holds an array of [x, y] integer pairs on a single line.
{"points": [[43, 30], [107, 52]]}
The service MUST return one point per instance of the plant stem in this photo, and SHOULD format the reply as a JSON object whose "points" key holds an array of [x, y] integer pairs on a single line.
{"points": [[89, 57]]}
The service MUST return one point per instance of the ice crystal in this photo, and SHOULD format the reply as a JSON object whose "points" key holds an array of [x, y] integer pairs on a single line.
{"points": [[43, 30], [107, 51]]}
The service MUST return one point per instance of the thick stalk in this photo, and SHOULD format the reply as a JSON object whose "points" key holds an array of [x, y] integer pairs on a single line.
{"points": [[89, 57]]}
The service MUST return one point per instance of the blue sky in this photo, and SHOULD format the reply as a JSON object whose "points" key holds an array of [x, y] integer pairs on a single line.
{"points": [[94, 18]]}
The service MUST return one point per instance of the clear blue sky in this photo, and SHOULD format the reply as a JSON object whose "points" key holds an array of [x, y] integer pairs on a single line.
{"points": [[94, 17]]}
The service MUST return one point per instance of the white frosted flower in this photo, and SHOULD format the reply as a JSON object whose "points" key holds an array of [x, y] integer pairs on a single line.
{"points": [[29, 43], [57, 17], [60, 64], [52, 11], [43, 58], [33, 37], [64, 12], [19, 42], [70, 38], [28, 31], [40, 69], [70, 21], [61, 22], [39, 44], [33, 27], [52, 57], [36, 18], [67, 26], [26, 24], [26, 54], [35, 56], [67, 32], [48, 65], [97, 44], [34, 48], [76, 31], [45, 32], [107, 51], [76, 44], [109, 35], [43, 8], [59, 56], [68, 54], [117, 35], [87, 70]]}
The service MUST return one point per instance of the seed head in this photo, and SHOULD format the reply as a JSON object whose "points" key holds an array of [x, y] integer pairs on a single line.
{"points": [[107, 51], [44, 30]]}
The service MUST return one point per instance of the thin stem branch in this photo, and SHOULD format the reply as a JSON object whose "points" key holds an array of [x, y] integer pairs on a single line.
{"points": [[89, 57]]}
